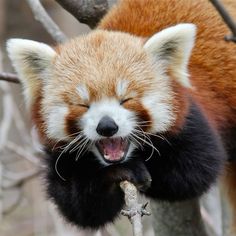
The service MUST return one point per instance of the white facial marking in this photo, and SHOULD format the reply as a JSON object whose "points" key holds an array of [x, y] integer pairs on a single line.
{"points": [[56, 122], [159, 103], [161, 111], [121, 88], [124, 118], [83, 92]]}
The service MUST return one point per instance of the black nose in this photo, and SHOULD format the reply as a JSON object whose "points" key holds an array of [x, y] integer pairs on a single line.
{"points": [[107, 127]]}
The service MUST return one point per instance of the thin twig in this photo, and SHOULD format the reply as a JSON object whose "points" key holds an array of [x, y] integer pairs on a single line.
{"points": [[15, 204], [227, 19], [22, 152], [19, 179], [88, 12], [20, 124], [42, 16], [9, 77], [134, 210], [6, 121]]}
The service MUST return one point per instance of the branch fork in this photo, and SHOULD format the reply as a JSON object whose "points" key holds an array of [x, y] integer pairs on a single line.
{"points": [[138, 209], [134, 210]]}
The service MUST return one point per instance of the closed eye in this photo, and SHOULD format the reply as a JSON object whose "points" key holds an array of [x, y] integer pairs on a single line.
{"points": [[79, 104], [125, 100], [84, 105]]}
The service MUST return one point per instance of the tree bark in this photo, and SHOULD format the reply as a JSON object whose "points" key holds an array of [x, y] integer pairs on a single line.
{"points": [[88, 12], [225, 15], [177, 219]]}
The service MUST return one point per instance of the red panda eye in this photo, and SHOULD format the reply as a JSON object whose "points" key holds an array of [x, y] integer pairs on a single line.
{"points": [[125, 100], [84, 105]]}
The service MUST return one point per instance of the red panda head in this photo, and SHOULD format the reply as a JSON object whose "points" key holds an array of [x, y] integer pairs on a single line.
{"points": [[103, 91]]}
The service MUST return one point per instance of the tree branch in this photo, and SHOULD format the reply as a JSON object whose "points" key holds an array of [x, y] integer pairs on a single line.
{"points": [[134, 210], [41, 15], [227, 19], [6, 122], [88, 12], [20, 179], [178, 218], [9, 77]]}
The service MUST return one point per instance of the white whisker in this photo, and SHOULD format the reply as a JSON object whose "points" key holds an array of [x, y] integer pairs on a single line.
{"points": [[150, 155], [83, 146], [56, 169], [76, 139], [136, 142], [155, 135], [65, 149], [65, 137], [77, 145], [147, 142]]}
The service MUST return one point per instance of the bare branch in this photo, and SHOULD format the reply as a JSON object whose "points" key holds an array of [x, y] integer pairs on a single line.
{"points": [[41, 15], [22, 152], [6, 121], [17, 199], [9, 77], [227, 19], [88, 12], [19, 179], [134, 210]]}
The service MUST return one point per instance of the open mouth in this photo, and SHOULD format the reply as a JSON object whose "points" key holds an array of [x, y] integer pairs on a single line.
{"points": [[113, 149]]}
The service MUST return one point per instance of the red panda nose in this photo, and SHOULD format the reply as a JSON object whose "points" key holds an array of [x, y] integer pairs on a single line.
{"points": [[107, 127]]}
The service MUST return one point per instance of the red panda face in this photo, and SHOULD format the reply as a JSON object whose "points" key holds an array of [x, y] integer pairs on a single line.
{"points": [[103, 92]]}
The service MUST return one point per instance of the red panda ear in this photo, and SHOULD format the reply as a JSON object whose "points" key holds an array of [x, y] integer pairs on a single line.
{"points": [[32, 61], [171, 49]]}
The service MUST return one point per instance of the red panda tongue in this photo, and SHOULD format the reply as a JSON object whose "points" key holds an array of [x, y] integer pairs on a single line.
{"points": [[112, 149]]}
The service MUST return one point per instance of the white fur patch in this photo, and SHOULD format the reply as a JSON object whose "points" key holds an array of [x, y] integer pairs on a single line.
{"points": [[173, 46], [55, 121], [83, 92], [121, 88], [124, 118], [160, 110]]}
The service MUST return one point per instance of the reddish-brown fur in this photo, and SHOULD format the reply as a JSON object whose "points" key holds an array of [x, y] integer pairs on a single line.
{"points": [[36, 113], [212, 66], [213, 63]]}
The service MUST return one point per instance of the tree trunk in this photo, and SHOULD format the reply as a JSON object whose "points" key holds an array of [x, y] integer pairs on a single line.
{"points": [[177, 219]]}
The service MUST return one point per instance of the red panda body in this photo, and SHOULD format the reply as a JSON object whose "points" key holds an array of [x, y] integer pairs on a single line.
{"points": [[212, 65], [129, 103]]}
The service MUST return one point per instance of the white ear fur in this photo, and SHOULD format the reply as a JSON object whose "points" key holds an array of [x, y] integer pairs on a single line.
{"points": [[31, 61], [172, 49]]}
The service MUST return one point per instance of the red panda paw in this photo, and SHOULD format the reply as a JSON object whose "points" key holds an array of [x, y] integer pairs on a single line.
{"points": [[134, 172]]}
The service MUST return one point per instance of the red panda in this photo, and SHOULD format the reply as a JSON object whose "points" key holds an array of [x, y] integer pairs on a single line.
{"points": [[133, 100]]}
